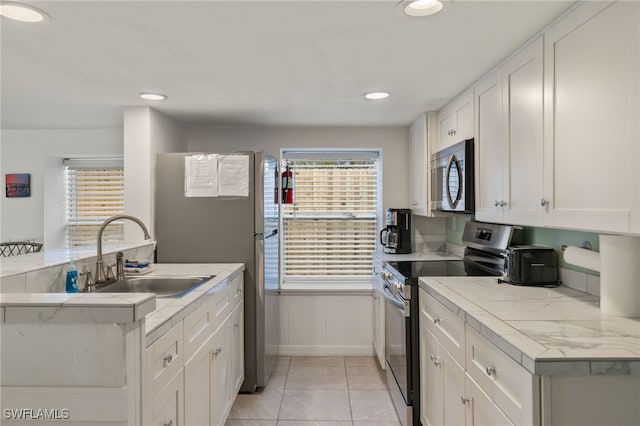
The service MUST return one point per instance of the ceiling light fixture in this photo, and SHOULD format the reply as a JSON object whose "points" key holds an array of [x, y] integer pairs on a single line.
{"points": [[373, 96], [422, 7], [21, 12], [152, 96]]}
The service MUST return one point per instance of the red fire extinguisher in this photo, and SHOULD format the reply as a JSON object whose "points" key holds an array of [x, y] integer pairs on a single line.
{"points": [[287, 186]]}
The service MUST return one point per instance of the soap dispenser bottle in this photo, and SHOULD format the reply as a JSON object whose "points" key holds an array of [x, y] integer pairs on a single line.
{"points": [[72, 278]]}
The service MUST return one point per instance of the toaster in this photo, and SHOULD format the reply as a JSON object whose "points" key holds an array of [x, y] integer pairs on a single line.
{"points": [[531, 265]]}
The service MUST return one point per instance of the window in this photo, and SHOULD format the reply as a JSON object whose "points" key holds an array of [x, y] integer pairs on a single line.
{"points": [[95, 191], [330, 230]]}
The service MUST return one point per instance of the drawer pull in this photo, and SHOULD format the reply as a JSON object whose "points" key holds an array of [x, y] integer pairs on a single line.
{"points": [[169, 423], [168, 359], [491, 371], [436, 360], [437, 320], [216, 352], [236, 325], [464, 400]]}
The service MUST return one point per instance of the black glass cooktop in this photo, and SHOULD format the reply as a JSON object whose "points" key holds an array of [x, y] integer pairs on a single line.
{"points": [[440, 268]]}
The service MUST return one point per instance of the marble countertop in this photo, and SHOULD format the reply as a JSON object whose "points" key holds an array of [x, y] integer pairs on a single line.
{"points": [[160, 313], [414, 257], [546, 330]]}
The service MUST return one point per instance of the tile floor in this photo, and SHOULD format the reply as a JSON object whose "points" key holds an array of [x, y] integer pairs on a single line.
{"points": [[319, 391]]}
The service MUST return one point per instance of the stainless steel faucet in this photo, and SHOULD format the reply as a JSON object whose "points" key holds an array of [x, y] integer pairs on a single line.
{"points": [[100, 274]]}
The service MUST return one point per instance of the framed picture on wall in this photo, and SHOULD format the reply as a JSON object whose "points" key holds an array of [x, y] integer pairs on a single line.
{"points": [[17, 185]]}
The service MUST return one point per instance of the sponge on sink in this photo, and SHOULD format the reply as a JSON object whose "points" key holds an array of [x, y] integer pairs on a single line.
{"points": [[135, 267]]}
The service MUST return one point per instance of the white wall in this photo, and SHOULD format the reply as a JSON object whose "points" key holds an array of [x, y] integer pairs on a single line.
{"points": [[40, 153], [394, 142], [146, 133]]}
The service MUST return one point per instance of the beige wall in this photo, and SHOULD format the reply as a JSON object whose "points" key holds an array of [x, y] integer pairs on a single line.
{"points": [[394, 142]]}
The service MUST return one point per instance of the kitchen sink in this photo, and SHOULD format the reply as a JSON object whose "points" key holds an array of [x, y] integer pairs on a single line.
{"points": [[162, 286]]}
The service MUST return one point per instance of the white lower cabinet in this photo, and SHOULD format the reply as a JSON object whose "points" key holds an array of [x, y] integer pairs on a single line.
{"points": [[198, 389], [378, 313], [168, 409], [480, 409], [476, 384]]}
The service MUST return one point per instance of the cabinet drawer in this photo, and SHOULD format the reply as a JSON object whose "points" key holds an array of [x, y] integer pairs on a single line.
{"points": [[444, 324], [164, 359], [508, 384], [198, 326], [236, 290], [219, 302]]}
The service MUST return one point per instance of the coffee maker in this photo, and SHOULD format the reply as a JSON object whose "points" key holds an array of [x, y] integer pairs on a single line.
{"points": [[396, 236]]}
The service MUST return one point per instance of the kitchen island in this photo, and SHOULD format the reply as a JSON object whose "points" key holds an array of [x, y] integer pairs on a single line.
{"points": [[124, 358], [524, 355]]}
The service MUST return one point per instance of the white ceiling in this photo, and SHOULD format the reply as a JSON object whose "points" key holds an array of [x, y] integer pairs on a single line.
{"points": [[252, 62]]}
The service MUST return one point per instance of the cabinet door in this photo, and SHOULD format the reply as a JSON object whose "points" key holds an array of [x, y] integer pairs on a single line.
{"points": [[237, 348], [431, 380], [489, 149], [523, 129], [219, 375], [481, 411], [419, 165], [168, 405], [464, 117], [446, 124], [197, 387], [591, 118], [453, 389]]}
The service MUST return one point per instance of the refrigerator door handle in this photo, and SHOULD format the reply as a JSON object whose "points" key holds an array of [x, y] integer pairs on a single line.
{"points": [[262, 236]]}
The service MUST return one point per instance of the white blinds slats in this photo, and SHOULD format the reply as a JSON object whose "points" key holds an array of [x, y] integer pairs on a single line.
{"points": [[330, 230], [93, 195]]}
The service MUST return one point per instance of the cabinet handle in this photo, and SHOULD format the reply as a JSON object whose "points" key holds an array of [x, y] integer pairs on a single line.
{"points": [[496, 203], [216, 352], [464, 400], [453, 132], [503, 203], [543, 202], [238, 291], [236, 325], [436, 360], [169, 423], [168, 359], [437, 320], [491, 371]]}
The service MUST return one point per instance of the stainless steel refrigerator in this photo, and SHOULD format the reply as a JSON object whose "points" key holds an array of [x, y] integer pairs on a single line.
{"points": [[229, 229]]}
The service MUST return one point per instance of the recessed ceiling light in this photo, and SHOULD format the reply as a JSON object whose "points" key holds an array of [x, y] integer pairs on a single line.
{"points": [[21, 12], [372, 96], [152, 96], [422, 7]]}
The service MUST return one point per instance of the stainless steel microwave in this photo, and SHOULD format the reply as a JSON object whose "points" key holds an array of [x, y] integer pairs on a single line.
{"points": [[452, 187]]}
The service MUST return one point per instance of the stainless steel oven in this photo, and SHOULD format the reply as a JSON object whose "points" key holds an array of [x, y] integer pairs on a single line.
{"points": [[398, 345], [452, 178], [485, 248]]}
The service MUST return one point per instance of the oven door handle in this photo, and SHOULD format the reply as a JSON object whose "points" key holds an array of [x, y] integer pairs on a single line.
{"points": [[395, 302]]}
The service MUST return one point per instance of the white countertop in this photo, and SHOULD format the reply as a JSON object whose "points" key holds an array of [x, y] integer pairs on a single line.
{"points": [[160, 313], [414, 257], [547, 330]]}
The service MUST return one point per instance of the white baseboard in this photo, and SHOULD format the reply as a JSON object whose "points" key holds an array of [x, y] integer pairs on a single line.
{"points": [[313, 350]]}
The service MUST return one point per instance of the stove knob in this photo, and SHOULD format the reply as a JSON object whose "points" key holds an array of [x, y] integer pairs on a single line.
{"points": [[386, 275], [397, 286]]}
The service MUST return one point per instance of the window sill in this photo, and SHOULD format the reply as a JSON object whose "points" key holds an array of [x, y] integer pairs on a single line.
{"points": [[327, 288]]}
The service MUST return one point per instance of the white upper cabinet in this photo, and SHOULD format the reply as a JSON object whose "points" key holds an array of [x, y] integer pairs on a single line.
{"points": [[591, 119], [509, 143], [420, 136], [489, 149], [455, 121]]}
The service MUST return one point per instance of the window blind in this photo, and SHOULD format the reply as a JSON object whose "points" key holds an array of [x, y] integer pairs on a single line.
{"points": [[94, 193], [330, 230]]}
